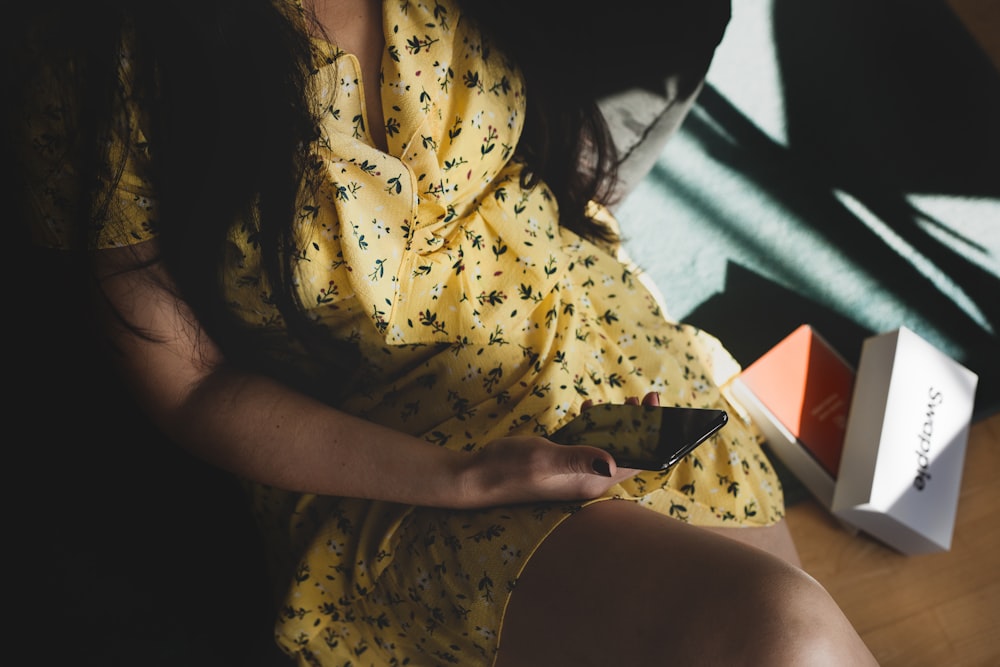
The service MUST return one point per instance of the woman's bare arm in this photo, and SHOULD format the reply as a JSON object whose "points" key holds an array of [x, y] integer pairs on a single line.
{"points": [[262, 430]]}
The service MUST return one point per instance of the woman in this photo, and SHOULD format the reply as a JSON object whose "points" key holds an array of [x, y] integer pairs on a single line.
{"points": [[342, 253]]}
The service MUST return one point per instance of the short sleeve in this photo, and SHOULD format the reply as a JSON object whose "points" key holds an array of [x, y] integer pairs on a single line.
{"points": [[124, 213]]}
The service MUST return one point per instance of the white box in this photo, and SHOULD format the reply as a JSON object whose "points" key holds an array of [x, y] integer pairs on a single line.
{"points": [[882, 447], [904, 449]]}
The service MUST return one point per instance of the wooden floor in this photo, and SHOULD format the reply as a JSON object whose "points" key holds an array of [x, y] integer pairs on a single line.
{"points": [[940, 610], [936, 609], [982, 19]]}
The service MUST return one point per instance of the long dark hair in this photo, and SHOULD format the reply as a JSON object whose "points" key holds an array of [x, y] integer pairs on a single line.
{"points": [[225, 82]]}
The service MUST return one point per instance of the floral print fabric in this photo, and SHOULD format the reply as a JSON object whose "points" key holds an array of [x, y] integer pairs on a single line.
{"points": [[476, 316]]}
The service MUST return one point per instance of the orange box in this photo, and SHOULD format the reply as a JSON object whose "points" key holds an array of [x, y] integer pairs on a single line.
{"points": [[799, 394]]}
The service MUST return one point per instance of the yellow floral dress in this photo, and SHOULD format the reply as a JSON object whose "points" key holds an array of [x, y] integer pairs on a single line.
{"points": [[477, 316]]}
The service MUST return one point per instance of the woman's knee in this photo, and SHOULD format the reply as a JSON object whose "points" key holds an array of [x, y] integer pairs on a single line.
{"points": [[796, 622]]}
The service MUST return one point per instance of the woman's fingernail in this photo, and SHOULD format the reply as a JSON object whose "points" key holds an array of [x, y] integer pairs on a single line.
{"points": [[602, 468]]}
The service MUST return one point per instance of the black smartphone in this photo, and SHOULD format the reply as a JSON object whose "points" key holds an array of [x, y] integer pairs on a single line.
{"points": [[647, 437]]}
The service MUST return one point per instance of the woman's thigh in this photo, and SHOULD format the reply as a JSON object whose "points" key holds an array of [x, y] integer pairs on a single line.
{"points": [[620, 584], [776, 540]]}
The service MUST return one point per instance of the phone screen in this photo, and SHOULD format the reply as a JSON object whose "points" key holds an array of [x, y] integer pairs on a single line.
{"points": [[646, 437]]}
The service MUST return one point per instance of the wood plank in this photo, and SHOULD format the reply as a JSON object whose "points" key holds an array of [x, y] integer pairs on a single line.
{"points": [[934, 609], [969, 631], [982, 19]]}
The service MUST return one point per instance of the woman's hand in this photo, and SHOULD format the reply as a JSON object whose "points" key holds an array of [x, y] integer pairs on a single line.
{"points": [[520, 469]]}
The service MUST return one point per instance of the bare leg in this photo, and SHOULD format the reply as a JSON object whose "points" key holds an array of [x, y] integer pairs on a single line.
{"points": [[774, 539], [617, 584]]}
